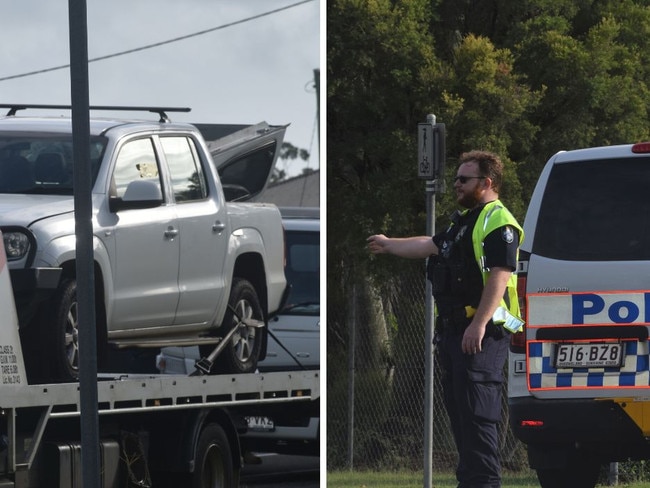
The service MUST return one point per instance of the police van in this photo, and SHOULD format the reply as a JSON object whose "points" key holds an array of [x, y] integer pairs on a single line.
{"points": [[579, 373]]}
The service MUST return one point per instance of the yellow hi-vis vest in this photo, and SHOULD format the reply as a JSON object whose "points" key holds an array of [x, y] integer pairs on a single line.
{"points": [[493, 216]]}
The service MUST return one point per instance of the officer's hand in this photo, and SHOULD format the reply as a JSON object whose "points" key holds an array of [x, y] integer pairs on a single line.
{"points": [[377, 244], [472, 338]]}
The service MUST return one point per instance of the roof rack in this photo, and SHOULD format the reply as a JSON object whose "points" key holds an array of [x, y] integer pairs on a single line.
{"points": [[161, 111]]}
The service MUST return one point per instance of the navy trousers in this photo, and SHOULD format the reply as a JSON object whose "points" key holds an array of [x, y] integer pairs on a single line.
{"points": [[472, 386]]}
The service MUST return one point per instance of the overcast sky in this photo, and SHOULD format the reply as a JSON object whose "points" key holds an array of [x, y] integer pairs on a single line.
{"points": [[258, 70]]}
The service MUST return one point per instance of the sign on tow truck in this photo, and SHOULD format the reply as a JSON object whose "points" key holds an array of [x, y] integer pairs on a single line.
{"points": [[12, 366]]}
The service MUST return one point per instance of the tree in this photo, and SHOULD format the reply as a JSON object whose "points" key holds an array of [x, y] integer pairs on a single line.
{"points": [[289, 152]]}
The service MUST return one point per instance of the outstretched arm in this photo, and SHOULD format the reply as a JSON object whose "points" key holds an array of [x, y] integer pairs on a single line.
{"points": [[405, 247]]}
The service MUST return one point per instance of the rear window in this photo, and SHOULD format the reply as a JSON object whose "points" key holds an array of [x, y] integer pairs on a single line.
{"points": [[596, 211]]}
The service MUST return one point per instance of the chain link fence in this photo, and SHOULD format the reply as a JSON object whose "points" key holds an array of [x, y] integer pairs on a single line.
{"points": [[376, 379]]}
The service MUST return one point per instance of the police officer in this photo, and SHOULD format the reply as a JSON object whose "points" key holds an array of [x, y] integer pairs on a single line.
{"points": [[471, 267]]}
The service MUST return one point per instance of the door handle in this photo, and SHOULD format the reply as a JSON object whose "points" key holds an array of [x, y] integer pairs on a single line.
{"points": [[171, 232], [218, 226]]}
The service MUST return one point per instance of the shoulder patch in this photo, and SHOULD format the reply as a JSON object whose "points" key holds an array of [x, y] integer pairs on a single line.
{"points": [[507, 234]]}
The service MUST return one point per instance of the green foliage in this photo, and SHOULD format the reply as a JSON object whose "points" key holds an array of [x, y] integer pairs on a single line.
{"points": [[523, 79], [386, 53]]}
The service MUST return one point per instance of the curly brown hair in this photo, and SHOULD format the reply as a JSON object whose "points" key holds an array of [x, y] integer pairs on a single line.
{"points": [[489, 165]]}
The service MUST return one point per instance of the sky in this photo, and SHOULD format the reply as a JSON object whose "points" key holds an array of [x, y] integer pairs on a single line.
{"points": [[255, 70]]}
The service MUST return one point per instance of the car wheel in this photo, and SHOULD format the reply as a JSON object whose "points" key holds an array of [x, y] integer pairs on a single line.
{"points": [[243, 351], [63, 328], [60, 327]]}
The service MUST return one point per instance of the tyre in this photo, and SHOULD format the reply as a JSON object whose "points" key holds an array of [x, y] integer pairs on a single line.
{"points": [[213, 466], [243, 351], [580, 472], [61, 334]]}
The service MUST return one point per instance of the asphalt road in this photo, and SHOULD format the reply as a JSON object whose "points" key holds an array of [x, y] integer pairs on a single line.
{"points": [[282, 471]]}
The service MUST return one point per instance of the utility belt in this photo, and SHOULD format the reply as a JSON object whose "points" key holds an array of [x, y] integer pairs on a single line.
{"points": [[456, 322]]}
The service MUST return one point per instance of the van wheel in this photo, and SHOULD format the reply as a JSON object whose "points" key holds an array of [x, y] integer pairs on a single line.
{"points": [[243, 351], [577, 473]]}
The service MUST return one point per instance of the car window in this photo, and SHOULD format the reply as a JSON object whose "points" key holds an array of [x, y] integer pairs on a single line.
{"points": [[303, 271], [42, 163], [590, 211], [247, 175], [188, 180], [136, 161]]}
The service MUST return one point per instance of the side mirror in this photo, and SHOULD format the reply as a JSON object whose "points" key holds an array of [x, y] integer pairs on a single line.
{"points": [[139, 194]]}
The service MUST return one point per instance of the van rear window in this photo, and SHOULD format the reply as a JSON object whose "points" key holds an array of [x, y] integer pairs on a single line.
{"points": [[596, 211]]}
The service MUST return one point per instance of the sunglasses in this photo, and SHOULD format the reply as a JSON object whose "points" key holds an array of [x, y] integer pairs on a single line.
{"points": [[465, 179]]}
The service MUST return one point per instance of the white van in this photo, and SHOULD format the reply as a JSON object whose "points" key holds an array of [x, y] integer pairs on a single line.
{"points": [[579, 374]]}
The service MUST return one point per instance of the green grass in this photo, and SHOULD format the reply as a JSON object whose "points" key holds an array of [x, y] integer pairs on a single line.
{"points": [[410, 479]]}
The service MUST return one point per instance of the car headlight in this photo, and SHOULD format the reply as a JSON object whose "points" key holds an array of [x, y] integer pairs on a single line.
{"points": [[16, 245]]}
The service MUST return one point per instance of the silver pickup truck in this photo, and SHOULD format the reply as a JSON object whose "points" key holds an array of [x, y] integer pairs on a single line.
{"points": [[178, 259]]}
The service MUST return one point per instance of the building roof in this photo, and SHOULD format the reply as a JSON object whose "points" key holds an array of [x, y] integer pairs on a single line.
{"points": [[299, 191]]}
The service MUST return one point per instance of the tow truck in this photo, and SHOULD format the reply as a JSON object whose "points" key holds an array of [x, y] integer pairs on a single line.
{"points": [[155, 430]]}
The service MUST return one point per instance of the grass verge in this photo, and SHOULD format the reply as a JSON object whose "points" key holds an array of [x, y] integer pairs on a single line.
{"points": [[415, 479]]}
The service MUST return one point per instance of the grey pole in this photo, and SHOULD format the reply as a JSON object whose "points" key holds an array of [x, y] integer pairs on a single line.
{"points": [[90, 467], [351, 346], [429, 325]]}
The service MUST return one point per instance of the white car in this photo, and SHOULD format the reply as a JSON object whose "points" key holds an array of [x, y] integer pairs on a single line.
{"points": [[175, 260], [294, 333]]}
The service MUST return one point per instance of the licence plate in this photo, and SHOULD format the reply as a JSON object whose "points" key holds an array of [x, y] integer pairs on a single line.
{"points": [[609, 354], [263, 424]]}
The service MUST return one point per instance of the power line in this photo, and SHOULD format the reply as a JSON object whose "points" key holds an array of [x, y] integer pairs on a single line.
{"points": [[162, 43]]}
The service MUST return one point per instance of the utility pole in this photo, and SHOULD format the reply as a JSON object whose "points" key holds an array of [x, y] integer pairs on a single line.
{"points": [[90, 467], [317, 85]]}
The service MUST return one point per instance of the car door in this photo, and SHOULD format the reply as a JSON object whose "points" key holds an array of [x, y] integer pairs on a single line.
{"points": [[145, 273], [203, 232]]}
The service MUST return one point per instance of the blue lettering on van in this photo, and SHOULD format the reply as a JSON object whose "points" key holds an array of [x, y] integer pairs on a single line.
{"points": [[616, 315], [587, 304], [620, 312]]}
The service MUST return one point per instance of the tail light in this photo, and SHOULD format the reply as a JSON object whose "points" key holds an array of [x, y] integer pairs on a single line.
{"points": [[518, 340], [641, 148]]}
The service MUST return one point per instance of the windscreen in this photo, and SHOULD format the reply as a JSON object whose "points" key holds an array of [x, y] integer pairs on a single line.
{"points": [[596, 211], [41, 163]]}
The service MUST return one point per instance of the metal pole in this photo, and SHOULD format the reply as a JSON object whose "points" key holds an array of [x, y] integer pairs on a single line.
{"points": [[84, 235], [612, 475], [429, 326], [317, 85], [351, 346]]}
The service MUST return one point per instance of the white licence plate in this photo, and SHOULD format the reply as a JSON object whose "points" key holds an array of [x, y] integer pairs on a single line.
{"points": [[603, 354], [264, 424]]}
